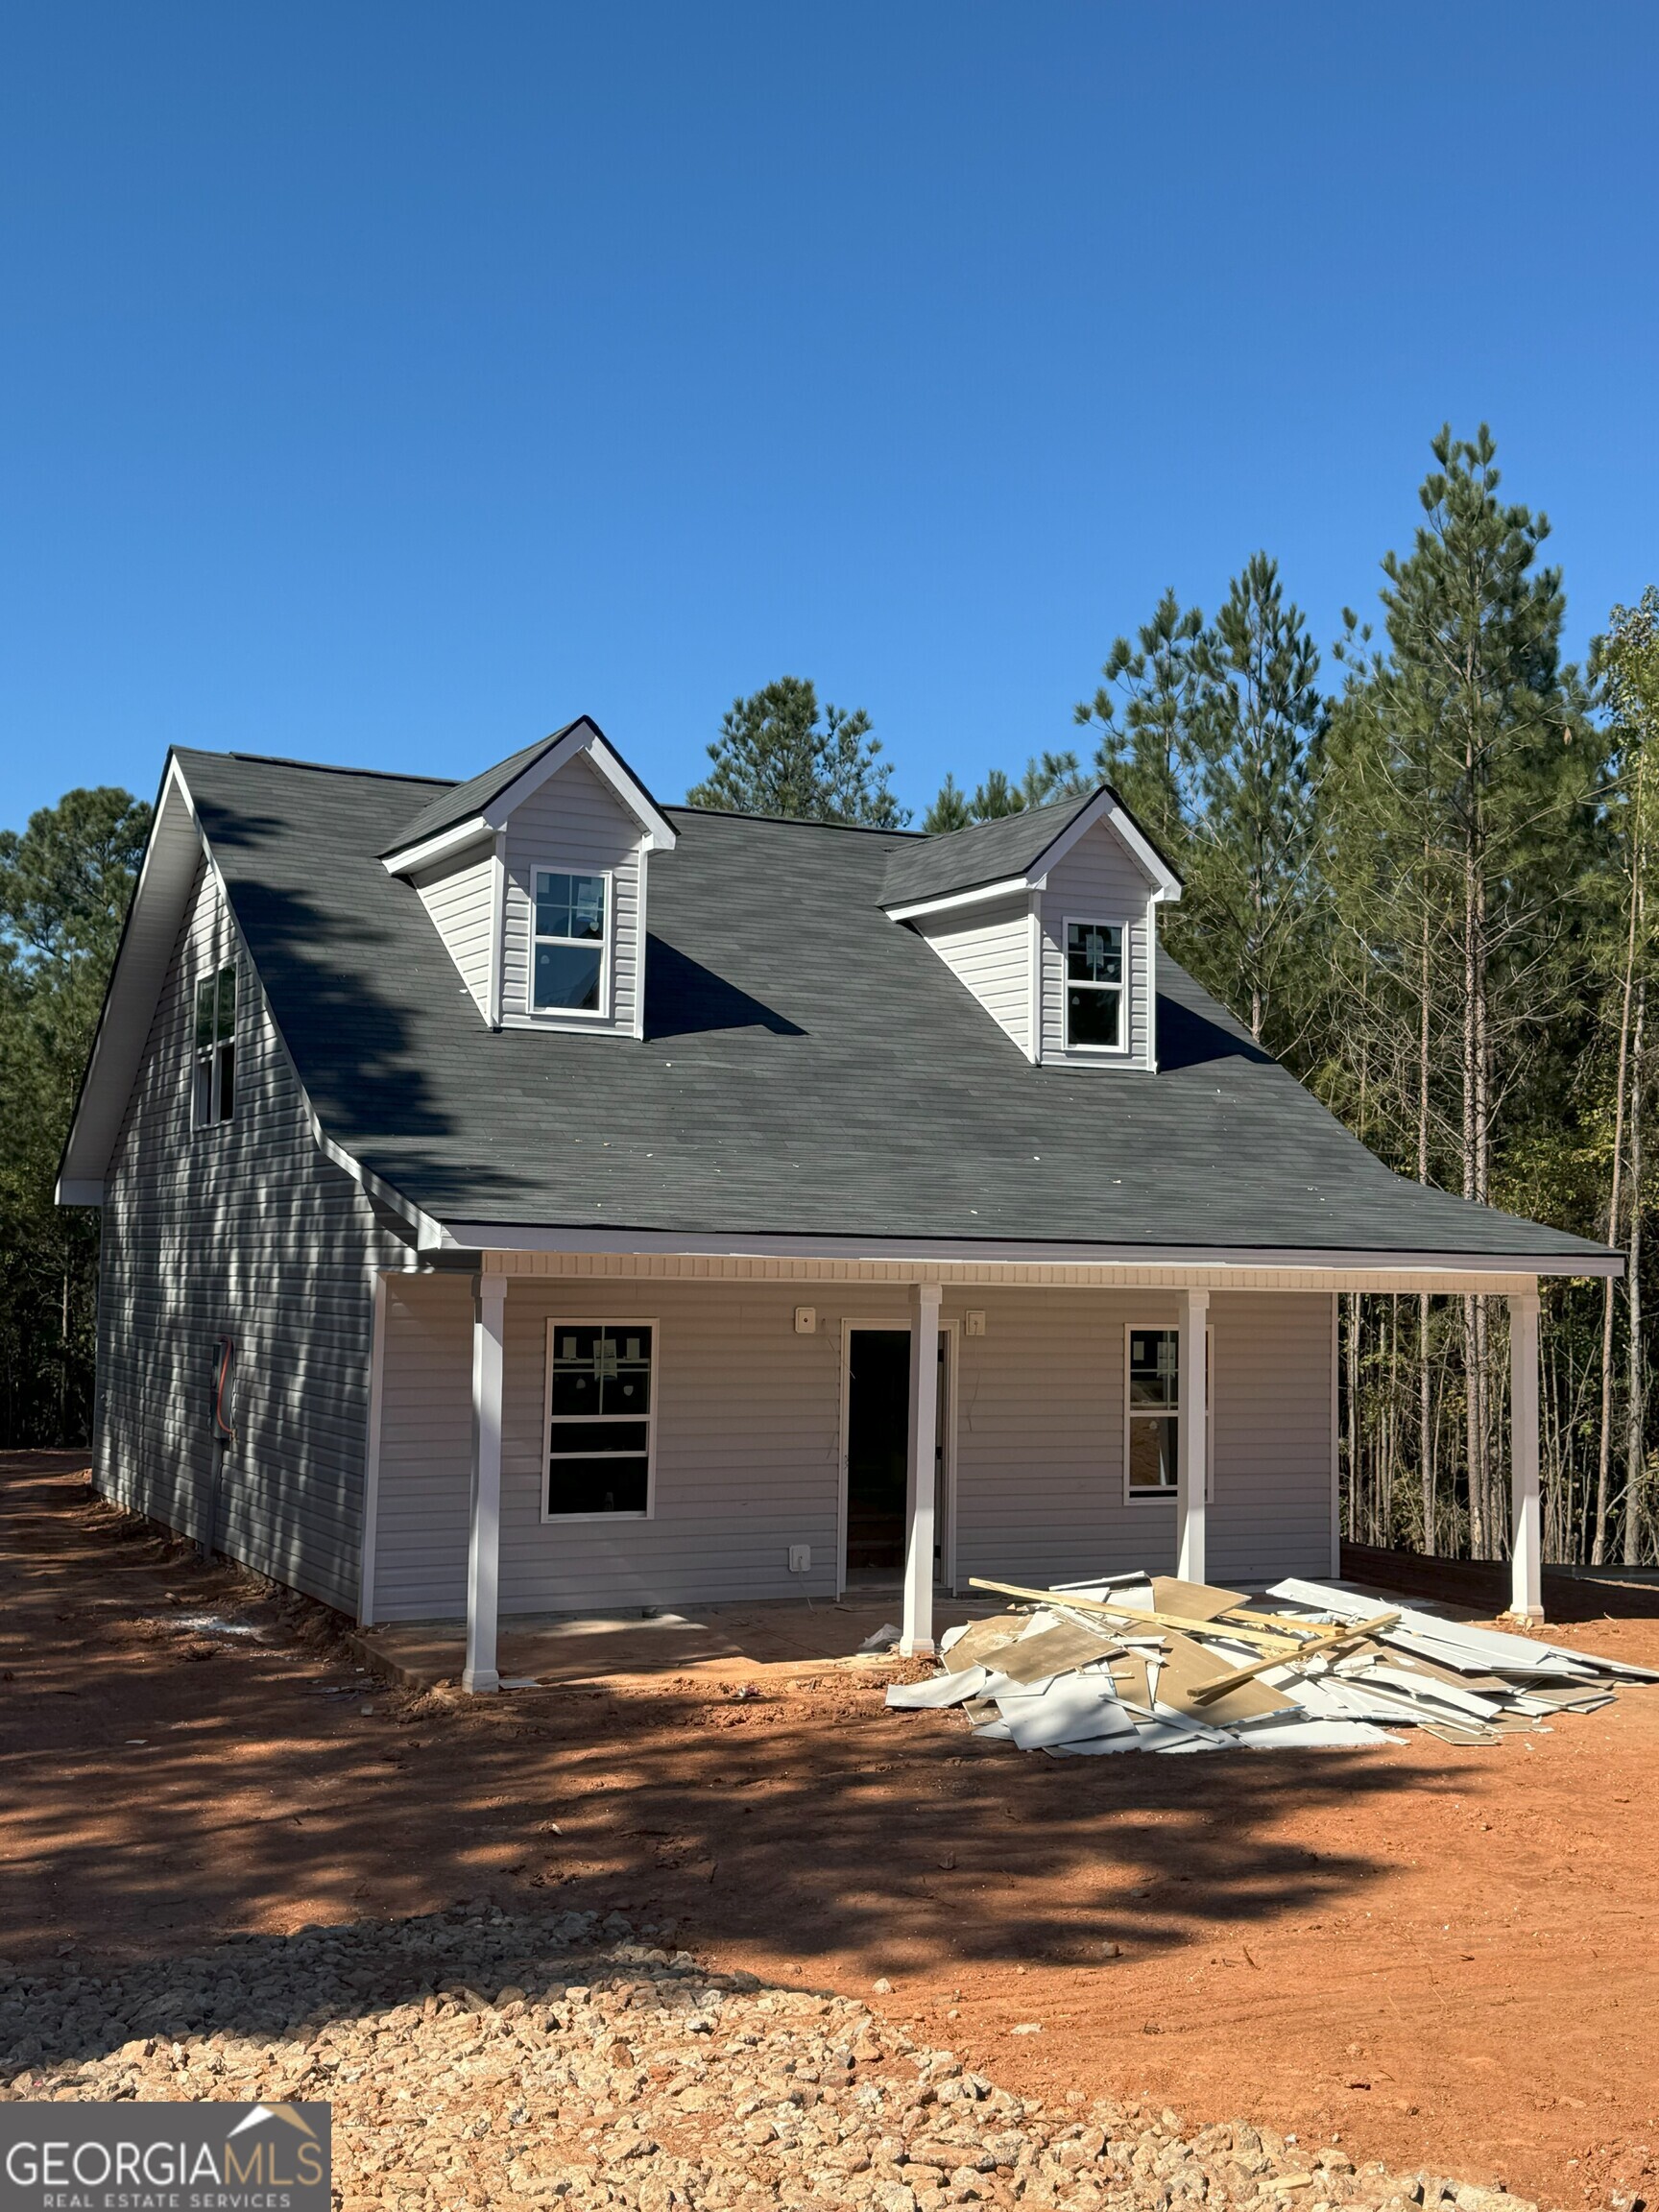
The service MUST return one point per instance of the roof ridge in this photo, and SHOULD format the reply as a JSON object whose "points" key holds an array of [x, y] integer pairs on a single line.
{"points": [[792, 821], [1023, 813]]}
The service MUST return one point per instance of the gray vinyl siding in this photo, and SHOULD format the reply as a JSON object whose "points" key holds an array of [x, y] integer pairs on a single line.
{"points": [[460, 895], [749, 1439], [574, 821], [1096, 881], [1041, 1440], [243, 1229], [989, 950]]}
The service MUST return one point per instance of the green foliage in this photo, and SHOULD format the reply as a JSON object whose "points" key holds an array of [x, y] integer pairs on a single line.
{"points": [[774, 755], [1147, 747], [1255, 739], [64, 885], [1048, 778]]}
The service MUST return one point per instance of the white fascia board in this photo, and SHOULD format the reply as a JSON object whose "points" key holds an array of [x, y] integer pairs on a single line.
{"points": [[575, 1237], [585, 736], [148, 936], [1105, 806], [917, 909], [582, 736], [431, 850], [659, 832]]}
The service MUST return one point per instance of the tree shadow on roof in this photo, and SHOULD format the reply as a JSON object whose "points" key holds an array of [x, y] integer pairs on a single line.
{"points": [[683, 998], [1190, 1035]]}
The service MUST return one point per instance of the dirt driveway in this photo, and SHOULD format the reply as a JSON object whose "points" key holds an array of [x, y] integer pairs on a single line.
{"points": [[1444, 1956]]}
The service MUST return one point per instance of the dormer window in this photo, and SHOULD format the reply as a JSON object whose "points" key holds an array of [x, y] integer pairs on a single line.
{"points": [[1095, 986], [568, 971]]}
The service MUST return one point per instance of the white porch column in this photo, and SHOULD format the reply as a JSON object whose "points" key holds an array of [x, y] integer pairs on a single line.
{"points": [[917, 1628], [1527, 1529], [1194, 1463], [484, 1542]]}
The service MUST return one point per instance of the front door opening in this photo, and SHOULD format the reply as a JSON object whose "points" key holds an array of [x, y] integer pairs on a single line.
{"points": [[879, 1454]]}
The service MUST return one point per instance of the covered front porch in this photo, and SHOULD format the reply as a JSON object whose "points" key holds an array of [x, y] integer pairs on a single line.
{"points": [[1055, 1420]]}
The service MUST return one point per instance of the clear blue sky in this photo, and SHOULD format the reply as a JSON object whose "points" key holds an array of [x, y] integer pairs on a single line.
{"points": [[387, 384]]}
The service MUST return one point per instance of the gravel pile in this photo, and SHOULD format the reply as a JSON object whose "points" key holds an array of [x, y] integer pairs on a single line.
{"points": [[480, 2059]]}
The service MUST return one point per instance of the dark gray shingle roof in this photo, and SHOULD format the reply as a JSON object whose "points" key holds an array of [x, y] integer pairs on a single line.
{"points": [[810, 1066], [460, 802], [984, 853]]}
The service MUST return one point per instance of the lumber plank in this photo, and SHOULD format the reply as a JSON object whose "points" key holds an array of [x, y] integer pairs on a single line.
{"points": [[1283, 1646], [1355, 1633]]}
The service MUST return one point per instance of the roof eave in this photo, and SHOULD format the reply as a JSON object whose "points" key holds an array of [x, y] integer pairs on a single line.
{"points": [[439, 846], [460, 1235], [977, 895], [171, 856]]}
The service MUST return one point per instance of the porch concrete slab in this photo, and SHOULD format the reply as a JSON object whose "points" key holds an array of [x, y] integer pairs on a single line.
{"points": [[719, 1642]]}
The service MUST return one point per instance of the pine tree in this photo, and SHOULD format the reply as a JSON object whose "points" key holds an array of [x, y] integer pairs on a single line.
{"points": [[1147, 756], [1627, 660], [1456, 811], [64, 885], [1049, 777], [1255, 738], [775, 757]]}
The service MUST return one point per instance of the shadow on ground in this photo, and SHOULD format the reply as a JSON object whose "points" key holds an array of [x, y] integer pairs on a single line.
{"points": [[178, 1759]]}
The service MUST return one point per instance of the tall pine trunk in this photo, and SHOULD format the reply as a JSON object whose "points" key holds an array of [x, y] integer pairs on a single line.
{"points": [[1636, 1409], [1424, 1389], [1604, 1444]]}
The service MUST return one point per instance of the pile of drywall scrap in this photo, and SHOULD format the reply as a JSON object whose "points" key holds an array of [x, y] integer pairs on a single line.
{"points": [[1146, 1663]]}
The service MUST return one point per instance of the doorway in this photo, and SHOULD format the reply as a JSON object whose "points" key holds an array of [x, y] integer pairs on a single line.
{"points": [[876, 1453]]}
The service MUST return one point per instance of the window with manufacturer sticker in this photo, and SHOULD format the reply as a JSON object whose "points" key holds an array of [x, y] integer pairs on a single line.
{"points": [[601, 1417], [1094, 986]]}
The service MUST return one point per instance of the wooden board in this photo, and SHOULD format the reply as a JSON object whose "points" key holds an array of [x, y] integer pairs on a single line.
{"points": [[1188, 1666], [1129, 1679], [1279, 1646], [983, 1639], [1337, 1640], [1052, 1651], [1192, 1600]]}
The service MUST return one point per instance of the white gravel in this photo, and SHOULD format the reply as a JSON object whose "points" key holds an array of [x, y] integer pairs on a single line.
{"points": [[478, 2059]]}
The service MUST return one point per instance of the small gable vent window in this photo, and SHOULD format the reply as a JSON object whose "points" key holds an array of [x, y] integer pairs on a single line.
{"points": [[569, 953], [213, 1081], [1095, 986], [600, 1418]]}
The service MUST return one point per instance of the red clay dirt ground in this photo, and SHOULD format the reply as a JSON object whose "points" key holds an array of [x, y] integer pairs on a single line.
{"points": [[1444, 1956]]}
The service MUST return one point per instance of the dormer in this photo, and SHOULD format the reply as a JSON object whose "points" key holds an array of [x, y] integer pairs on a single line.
{"points": [[1050, 919], [534, 876]]}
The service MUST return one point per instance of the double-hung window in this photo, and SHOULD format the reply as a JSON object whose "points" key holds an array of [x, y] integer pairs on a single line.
{"points": [[1095, 986], [1154, 1412], [567, 965], [601, 1417], [213, 1078]]}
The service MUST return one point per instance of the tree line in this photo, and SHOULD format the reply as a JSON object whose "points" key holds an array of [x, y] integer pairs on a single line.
{"points": [[1415, 865]]}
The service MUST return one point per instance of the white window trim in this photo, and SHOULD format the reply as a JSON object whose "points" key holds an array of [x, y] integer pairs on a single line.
{"points": [[1126, 1010], [900, 1325], [199, 1121], [582, 1017], [599, 1321], [1132, 1497]]}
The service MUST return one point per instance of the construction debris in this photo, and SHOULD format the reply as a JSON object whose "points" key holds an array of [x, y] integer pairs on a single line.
{"points": [[1149, 1663]]}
